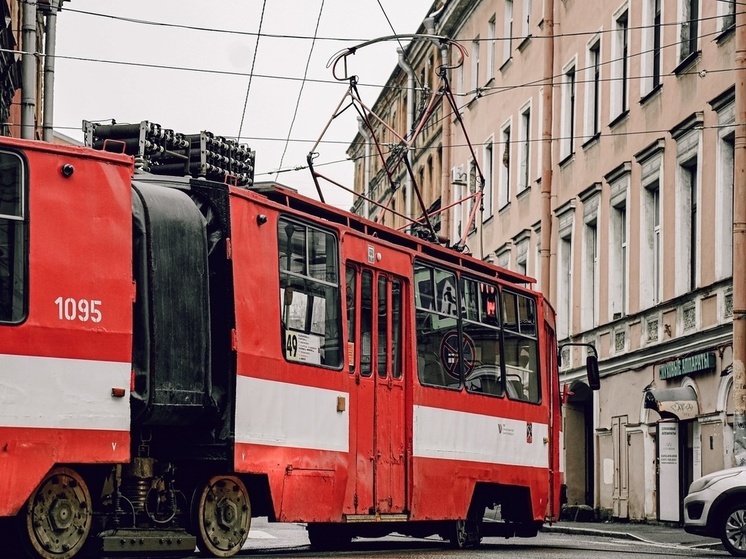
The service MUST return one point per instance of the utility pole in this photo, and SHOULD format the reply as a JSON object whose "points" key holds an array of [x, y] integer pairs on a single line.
{"points": [[739, 248]]}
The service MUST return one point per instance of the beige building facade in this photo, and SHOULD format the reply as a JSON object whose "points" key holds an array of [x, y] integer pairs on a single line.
{"points": [[642, 150]]}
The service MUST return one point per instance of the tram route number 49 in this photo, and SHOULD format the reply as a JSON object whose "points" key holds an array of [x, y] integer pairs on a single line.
{"points": [[84, 310]]}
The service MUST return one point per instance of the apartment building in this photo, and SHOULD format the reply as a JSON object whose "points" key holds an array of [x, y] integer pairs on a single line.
{"points": [[641, 153]]}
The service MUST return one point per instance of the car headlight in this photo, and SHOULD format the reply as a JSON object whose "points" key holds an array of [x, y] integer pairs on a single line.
{"points": [[704, 482]]}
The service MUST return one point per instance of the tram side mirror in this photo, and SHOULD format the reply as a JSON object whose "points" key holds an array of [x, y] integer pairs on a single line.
{"points": [[591, 367]]}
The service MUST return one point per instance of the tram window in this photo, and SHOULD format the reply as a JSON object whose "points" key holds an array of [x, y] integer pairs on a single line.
{"points": [[383, 326], [396, 327], [436, 321], [366, 323], [309, 294], [484, 373], [520, 347], [351, 302], [12, 239]]}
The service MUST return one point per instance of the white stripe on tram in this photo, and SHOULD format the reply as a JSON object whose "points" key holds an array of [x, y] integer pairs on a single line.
{"points": [[456, 435], [57, 393], [290, 415]]}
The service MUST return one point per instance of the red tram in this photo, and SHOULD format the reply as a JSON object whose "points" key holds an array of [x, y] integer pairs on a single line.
{"points": [[178, 356]]}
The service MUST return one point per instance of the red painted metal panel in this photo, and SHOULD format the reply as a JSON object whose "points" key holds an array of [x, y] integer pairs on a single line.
{"points": [[26, 455]]}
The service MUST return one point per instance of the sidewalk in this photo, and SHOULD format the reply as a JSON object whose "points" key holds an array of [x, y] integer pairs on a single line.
{"points": [[651, 533]]}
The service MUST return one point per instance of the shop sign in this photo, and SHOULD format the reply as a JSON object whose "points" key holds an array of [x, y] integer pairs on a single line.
{"points": [[687, 365]]}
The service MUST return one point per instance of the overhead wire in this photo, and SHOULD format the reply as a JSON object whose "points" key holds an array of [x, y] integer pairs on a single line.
{"points": [[253, 64], [302, 85], [484, 91]]}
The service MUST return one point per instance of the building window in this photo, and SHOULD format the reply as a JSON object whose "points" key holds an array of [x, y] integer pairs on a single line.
{"points": [[508, 31], [526, 21], [475, 65], [13, 247], [727, 11], [488, 178], [593, 90], [620, 65], [618, 181], [688, 222], [590, 267], [618, 261], [525, 173], [521, 257], [724, 216], [650, 284], [458, 187], [567, 141], [689, 30], [472, 192], [491, 46], [653, 31], [564, 294], [504, 193]]}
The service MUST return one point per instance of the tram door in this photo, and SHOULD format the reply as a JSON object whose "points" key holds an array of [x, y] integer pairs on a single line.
{"points": [[380, 393]]}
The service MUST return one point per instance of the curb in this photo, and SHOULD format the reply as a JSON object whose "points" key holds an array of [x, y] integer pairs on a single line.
{"points": [[625, 536]]}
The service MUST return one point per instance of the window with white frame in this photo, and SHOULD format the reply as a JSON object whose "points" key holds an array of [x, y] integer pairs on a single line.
{"points": [[566, 219], [589, 271], [458, 187], [688, 28], [727, 13], [491, 46], [475, 64], [488, 177], [593, 89], [536, 271], [651, 47], [618, 239], [508, 31], [521, 252], [688, 142], [724, 194], [526, 20], [567, 140], [564, 294], [688, 194], [620, 64], [651, 244], [503, 255], [525, 171], [503, 197], [472, 185]]}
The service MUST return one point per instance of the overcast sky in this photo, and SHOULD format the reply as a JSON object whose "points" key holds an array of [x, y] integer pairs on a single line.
{"points": [[89, 86]]}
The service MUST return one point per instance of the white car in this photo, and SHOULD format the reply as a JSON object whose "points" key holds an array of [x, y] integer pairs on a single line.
{"points": [[716, 507]]}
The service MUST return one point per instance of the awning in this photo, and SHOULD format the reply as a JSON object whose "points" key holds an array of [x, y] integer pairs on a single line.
{"points": [[673, 403]]}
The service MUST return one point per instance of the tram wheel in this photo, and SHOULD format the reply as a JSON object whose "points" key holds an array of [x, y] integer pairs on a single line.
{"points": [[223, 516], [463, 533], [56, 520]]}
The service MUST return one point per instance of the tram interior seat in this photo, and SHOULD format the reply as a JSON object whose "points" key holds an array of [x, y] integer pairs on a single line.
{"points": [[430, 370], [515, 389]]}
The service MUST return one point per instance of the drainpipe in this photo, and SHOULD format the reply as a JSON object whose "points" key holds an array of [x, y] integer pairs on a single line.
{"points": [[546, 152], [739, 249], [365, 133], [410, 120], [28, 71], [49, 52]]}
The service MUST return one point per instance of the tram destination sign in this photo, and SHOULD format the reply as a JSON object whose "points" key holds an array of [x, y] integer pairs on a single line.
{"points": [[687, 365]]}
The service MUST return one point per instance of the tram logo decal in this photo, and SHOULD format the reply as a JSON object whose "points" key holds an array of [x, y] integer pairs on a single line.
{"points": [[529, 432]]}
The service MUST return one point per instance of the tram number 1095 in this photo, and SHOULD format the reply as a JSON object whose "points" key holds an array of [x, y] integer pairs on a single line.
{"points": [[84, 310]]}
